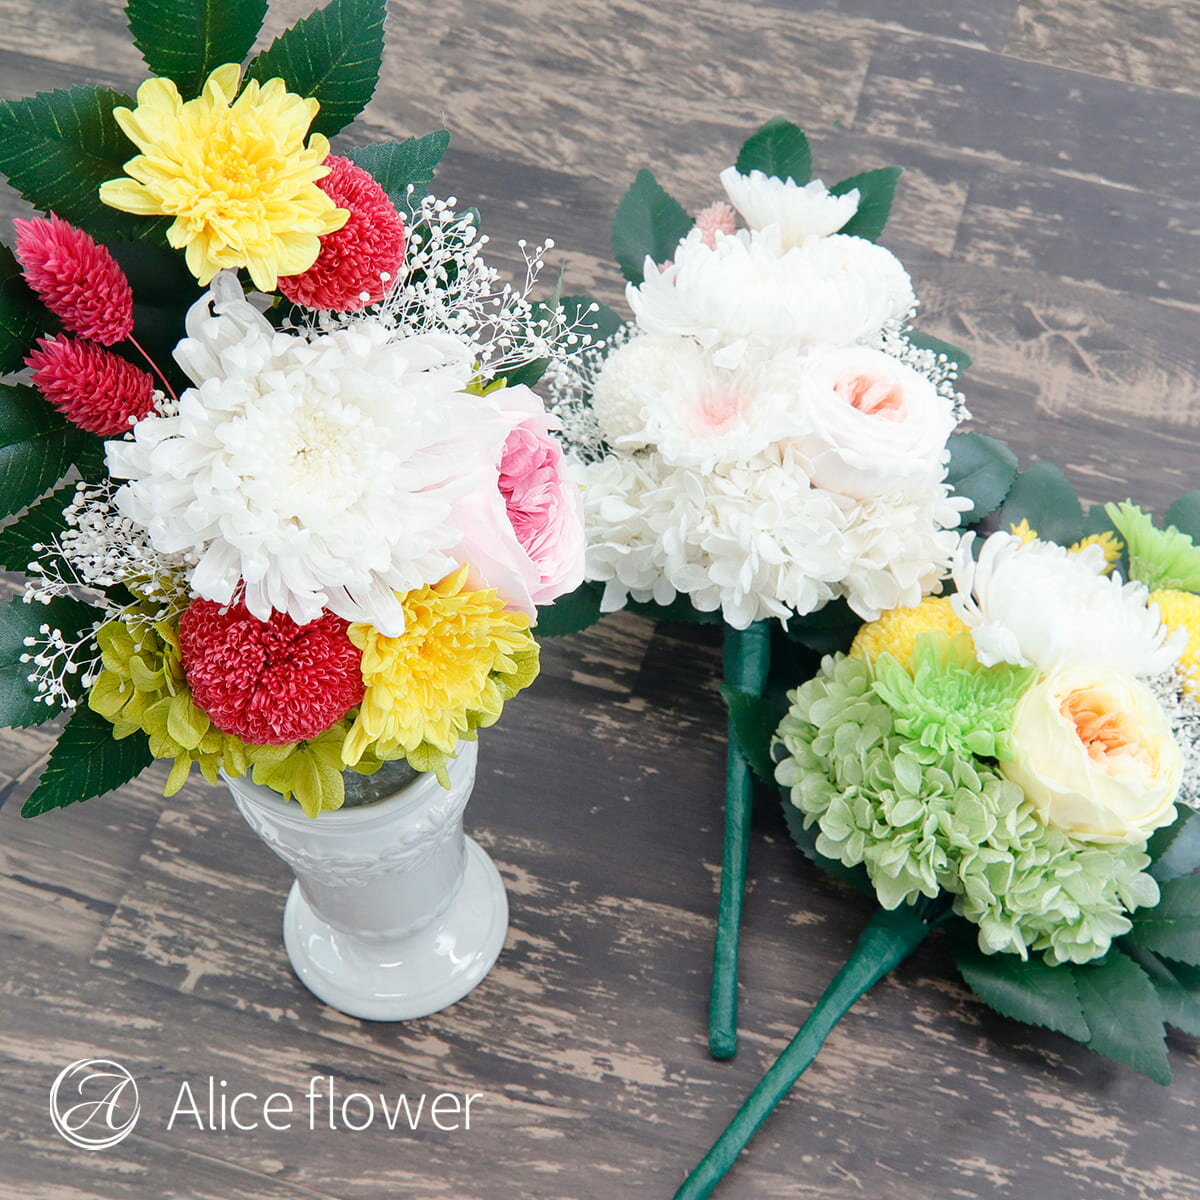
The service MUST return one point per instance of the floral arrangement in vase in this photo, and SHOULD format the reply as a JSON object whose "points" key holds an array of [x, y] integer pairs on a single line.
{"points": [[765, 444], [1016, 763], [291, 504]]}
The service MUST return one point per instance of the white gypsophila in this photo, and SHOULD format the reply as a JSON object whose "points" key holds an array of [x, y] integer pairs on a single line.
{"points": [[314, 472], [1037, 604], [797, 211], [746, 292], [1182, 711]]}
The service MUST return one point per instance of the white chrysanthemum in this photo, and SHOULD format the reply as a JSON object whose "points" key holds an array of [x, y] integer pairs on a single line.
{"points": [[637, 367], [1037, 604], [317, 472], [798, 212], [747, 292]]}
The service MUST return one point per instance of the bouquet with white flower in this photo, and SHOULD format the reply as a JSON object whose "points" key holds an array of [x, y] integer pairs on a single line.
{"points": [[306, 504], [766, 441], [1017, 763]]}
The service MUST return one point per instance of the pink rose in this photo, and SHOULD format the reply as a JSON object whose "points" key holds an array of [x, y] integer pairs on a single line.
{"points": [[524, 535]]}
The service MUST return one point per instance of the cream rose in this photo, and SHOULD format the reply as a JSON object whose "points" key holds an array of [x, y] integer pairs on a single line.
{"points": [[1094, 752]]}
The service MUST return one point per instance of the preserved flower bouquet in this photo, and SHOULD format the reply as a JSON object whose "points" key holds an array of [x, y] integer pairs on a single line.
{"points": [[304, 502]]}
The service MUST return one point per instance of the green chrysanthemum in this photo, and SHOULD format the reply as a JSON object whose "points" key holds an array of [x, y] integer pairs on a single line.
{"points": [[1159, 558], [951, 703], [923, 819]]}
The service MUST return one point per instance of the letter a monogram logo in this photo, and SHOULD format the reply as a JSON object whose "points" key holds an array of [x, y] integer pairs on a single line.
{"points": [[94, 1103]]}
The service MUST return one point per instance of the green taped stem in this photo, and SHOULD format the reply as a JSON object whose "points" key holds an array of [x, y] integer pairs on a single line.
{"points": [[747, 658], [888, 939]]}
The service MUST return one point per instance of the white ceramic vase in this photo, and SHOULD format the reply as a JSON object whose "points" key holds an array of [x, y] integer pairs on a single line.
{"points": [[394, 913]]}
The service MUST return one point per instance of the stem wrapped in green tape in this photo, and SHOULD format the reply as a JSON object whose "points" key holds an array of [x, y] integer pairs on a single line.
{"points": [[888, 939], [747, 658]]}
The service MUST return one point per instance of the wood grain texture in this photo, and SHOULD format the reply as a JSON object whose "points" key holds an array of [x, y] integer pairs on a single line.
{"points": [[1048, 216]]}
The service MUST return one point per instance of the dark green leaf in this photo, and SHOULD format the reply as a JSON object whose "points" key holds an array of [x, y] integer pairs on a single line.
{"points": [[752, 725], [779, 149], [57, 148], [571, 613], [1175, 848], [1178, 988], [37, 447], [527, 374], [332, 55], [184, 40], [1184, 514], [828, 630], [1028, 991], [1172, 927], [1042, 496], [18, 621], [648, 222], [1122, 1010], [88, 761], [22, 316], [982, 469], [397, 165], [600, 325], [806, 840], [875, 192], [926, 341], [37, 526], [679, 610]]}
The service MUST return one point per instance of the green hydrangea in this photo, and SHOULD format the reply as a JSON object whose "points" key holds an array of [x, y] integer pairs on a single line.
{"points": [[1159, 558], [922, 817]]}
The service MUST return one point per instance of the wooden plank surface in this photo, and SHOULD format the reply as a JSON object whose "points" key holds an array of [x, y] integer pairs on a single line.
{"points": [[1049, 217]]}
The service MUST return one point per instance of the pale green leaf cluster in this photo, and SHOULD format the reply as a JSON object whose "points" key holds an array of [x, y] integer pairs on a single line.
{"points": [[1159, 558]]}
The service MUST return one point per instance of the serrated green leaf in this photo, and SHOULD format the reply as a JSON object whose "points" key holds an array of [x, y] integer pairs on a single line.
{"points": [[752, 724], [876, 190], [22, 315], [1178, 988], [37, 526], [396, 165], [648, 222], [806, 842], [1042, 496], [18, 620], [1028, 991], [1172, 926], [37, 447], [1122, 1010], [926, 341], [982, 469], [185, 40], [333, 55], [779, 149], [87, 762], [1175, 849], [1184, 514], [828, 630], [57, 148], [571, 613]]}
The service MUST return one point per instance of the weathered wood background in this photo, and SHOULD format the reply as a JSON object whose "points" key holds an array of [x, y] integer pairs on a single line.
{"points": [[1049, 215]]}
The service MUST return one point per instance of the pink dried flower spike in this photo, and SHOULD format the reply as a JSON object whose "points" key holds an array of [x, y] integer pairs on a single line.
{"points": [[92, 387], [716, 218], [77, 279]]}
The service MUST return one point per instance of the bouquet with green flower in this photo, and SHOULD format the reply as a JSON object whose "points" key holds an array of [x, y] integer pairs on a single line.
{"points": [[1018, 763]]}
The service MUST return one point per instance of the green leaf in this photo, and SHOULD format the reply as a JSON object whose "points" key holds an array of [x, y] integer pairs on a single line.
{"points": [[876, 190], [778, 149], [926, 341], [571, 613], [1122, 1010], [37, 447], [57, 148], [88, 761], [22, 316], [332, 55], [828, 630], [1172, 926], [982, 469], [1184, 514], [1175, 849], [1178, 989], [185, 40], [397, 165], [648, 222], [680, 610], [1028, 991], [806, 841], [18, 620], [601, 324], [1042, 496], [752, 725], [42, 522]]}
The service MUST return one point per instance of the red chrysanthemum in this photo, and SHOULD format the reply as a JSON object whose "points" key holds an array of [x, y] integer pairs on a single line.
{"points": [[269, 682], [78, 280], [96, 389], [358, 261]]}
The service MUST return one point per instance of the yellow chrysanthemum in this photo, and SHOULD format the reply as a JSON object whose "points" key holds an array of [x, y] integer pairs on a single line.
{"points": [[1108, 541], [896, 632], [1024, 532], [460, 657], [1181, 610], [235, 174]]}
